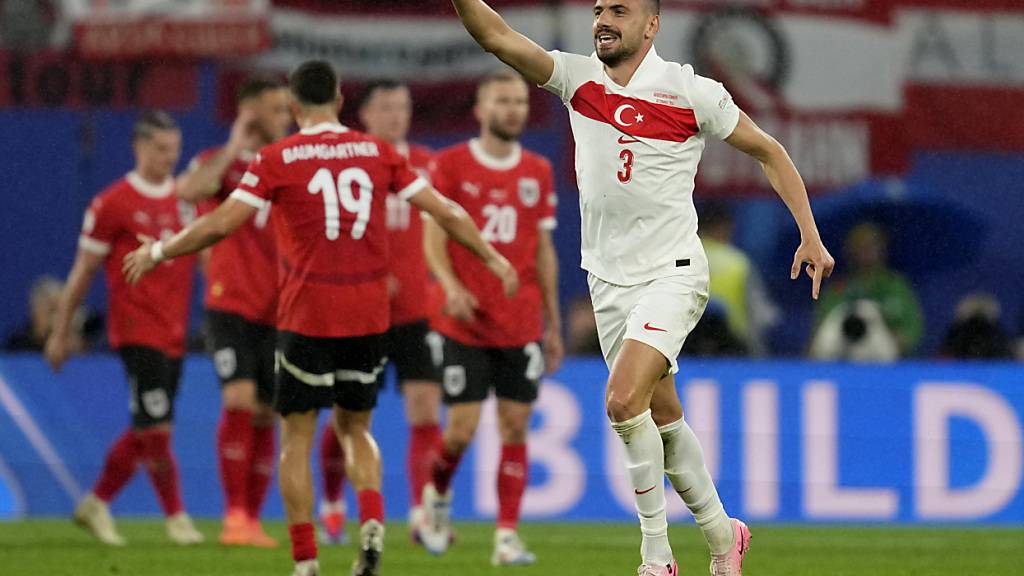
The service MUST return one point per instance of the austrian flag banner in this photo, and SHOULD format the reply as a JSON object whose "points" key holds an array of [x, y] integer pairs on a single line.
{"points": [[181, 28], [852, 88]]}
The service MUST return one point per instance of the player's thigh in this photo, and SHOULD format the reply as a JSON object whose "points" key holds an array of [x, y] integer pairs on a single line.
{"points": [[632, 380], [611, 305], [153, 385], [664, 312], [517, 372], [467, 373]]}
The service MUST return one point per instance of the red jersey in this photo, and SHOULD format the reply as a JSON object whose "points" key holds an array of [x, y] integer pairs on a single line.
{"points": [[409, 301], [329, 188], [154, 312], [241, 277], [510, 199]]}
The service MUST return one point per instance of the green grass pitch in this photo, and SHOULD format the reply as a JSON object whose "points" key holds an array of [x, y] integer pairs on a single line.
{"points": [[56, 548]]}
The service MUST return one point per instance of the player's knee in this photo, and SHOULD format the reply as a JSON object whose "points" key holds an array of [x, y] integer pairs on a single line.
{"points": [[514, 433], [239, 395], [458, 436], [621, 405]]}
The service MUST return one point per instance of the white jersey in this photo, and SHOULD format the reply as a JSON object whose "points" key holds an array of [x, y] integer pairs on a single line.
{"points": [[637, 149]]}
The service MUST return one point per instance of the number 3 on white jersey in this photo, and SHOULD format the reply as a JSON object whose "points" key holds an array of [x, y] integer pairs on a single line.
{"points": [[341, 195], [500, 225]]}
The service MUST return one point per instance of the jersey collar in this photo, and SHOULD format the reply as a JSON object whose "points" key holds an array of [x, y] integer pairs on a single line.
{"points": [[324, 127], [148, 189], [646, 65], [488, 161]]}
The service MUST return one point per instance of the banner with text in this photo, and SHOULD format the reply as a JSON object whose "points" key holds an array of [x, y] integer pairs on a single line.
{"points": [[786, 442]]}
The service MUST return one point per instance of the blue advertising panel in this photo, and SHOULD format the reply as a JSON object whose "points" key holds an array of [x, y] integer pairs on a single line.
{"points": [[785, 441]]}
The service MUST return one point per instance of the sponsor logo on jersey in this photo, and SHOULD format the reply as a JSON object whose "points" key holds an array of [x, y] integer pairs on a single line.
{"points": [[471, 189]]}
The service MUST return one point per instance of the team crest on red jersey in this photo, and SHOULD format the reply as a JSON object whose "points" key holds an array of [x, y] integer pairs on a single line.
{"points": [[529, 191]]}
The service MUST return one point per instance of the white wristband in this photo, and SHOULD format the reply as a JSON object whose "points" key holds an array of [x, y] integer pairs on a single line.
{"points": [[156, 252]]}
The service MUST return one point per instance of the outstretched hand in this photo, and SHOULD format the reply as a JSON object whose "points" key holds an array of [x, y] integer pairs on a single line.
{"points": [[139, 261], [819, 263]]}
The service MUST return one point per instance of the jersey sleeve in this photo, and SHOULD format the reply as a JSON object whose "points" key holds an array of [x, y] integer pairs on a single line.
{"points": [[549, 199], [405, 181], [256, 186], [717, 113], [568, 75], [100, 227]]}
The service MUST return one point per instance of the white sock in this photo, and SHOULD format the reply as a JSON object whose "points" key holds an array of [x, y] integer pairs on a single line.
{"points": [[645, 460], [684, 466]]}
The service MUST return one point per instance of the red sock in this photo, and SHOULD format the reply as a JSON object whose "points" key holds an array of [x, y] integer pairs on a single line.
{"points": [[264, 453], [162, 468], [303, 541], [444, 468], [332, 464], [118, 468], [371, 506], [424, 444], [234, 454], [512, 474]]}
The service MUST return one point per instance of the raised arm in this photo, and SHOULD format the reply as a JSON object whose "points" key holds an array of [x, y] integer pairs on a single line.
{"points": [[202, 233], [83, 271], [453, 220], [202, 179], [494, 35], [787, 183]]}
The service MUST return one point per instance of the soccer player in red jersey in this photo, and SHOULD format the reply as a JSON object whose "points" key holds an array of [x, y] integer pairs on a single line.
{"points": [[386, 111], [241, 304], [329, 186], [491, 342], [147, 324]]}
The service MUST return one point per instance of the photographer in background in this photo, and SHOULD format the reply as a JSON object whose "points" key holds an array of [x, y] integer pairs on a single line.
{"points": [[867, 301]]}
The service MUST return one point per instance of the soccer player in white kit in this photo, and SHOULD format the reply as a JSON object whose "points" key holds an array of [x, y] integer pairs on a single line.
{"points": [[640, 125]]}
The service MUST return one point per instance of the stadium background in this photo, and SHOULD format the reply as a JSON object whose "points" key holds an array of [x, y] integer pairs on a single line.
{"points": [[890, 103]]}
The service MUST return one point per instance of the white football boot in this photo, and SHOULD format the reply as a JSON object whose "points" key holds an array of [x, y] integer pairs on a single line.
{"points": [[93, 514], [181, 531]]}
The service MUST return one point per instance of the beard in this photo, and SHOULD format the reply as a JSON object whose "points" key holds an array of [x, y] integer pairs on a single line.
{"points": [[615, 57], [504, 134]]}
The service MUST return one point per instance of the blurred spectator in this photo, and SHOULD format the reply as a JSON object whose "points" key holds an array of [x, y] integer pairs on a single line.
{"points": [[870, 280], [43, 299], [739, 311], [976, 332], [582, 337]]}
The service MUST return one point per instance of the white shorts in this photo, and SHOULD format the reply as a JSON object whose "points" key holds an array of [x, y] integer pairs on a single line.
{"points": [[660, 313]]}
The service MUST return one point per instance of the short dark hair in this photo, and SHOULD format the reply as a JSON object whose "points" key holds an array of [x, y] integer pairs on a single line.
{"points": [[314, 83], [655, 6], [253, 87], [382, 85], [150, 122], [498, 75]]}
